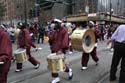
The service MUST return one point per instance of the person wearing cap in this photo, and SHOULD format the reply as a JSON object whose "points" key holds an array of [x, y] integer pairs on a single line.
{"points": [[118, 38], [5, 55], [59, 44], [24, 41], [85, 56]]}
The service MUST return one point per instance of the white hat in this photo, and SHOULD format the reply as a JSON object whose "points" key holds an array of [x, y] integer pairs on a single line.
{"points": [[91, 22], [52, 25], [3, 27], [57, 20]]}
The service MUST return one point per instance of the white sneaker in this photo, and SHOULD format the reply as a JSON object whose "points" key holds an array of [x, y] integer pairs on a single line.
{"points": [[37, 66], [18, 70], [56, 80], [84, 68], [70, 73], [70, 52]]}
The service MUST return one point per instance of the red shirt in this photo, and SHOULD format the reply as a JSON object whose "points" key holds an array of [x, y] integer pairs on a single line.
{"points": [[24, 39], [59, 40]]}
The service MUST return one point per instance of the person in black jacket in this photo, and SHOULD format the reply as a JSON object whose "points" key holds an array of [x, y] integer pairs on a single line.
{"points": [[41, 32]]}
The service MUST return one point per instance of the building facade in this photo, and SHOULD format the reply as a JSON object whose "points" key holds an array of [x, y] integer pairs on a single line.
{"points": [[10, 10], [15, 10], [93, 6]]}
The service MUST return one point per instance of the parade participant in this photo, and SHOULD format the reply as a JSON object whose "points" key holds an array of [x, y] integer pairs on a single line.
{"points": [[59, 44], [41, 31], [5, 55], [118, 38], [69, 27], [85, 56], [24, 41], [32, 32]]}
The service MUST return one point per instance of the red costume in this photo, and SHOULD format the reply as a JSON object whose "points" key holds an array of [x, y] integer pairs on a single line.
{"points": [[24, 41], [85, 56], [5, 55], [59, 42]]}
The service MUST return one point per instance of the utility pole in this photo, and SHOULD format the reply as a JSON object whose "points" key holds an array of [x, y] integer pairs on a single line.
{"points": [[87, 11], [69, 7], [111, 12], [36, 8], [25, 11], [117, 8]]}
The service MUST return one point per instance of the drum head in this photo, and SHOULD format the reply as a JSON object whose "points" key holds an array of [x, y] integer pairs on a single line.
{"points": [[54, 56], [20, 50], [88, 41], [83, 40]]}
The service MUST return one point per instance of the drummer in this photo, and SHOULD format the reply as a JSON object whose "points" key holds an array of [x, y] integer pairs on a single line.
{"points": [[24, 41], [5, 54], [85, 56], [59, 44]]}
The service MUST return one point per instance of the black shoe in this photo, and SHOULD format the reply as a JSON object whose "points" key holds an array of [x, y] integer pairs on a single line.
{"points": [[97, 63], [113, 79]]}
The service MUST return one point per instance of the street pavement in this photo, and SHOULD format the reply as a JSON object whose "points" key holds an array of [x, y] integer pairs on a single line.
{"points": [[105, 79], [94, 74]]}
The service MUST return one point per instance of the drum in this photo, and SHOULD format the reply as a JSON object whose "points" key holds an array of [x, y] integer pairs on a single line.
{"points": [[16, 32], [20, 55], [56, 63], [83, 40]]}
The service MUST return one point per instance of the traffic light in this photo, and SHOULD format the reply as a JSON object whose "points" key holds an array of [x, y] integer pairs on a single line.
{"points": [[30, 13], [33, 13], [38, 11], [46, 5]]}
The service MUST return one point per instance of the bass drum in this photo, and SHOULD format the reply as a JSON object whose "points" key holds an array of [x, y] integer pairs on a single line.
{"points": [[83, 40]]}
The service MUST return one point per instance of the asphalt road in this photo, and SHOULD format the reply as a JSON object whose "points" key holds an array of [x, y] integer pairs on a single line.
{"points": [[94, 74]]}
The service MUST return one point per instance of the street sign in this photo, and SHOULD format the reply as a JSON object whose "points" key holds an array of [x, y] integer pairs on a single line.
{"points": [[92, 15]]}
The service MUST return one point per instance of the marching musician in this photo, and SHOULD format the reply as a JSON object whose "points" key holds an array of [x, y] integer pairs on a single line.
{"points": [[5, 54], [85, 56], [24, 41], [59, 44]]}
